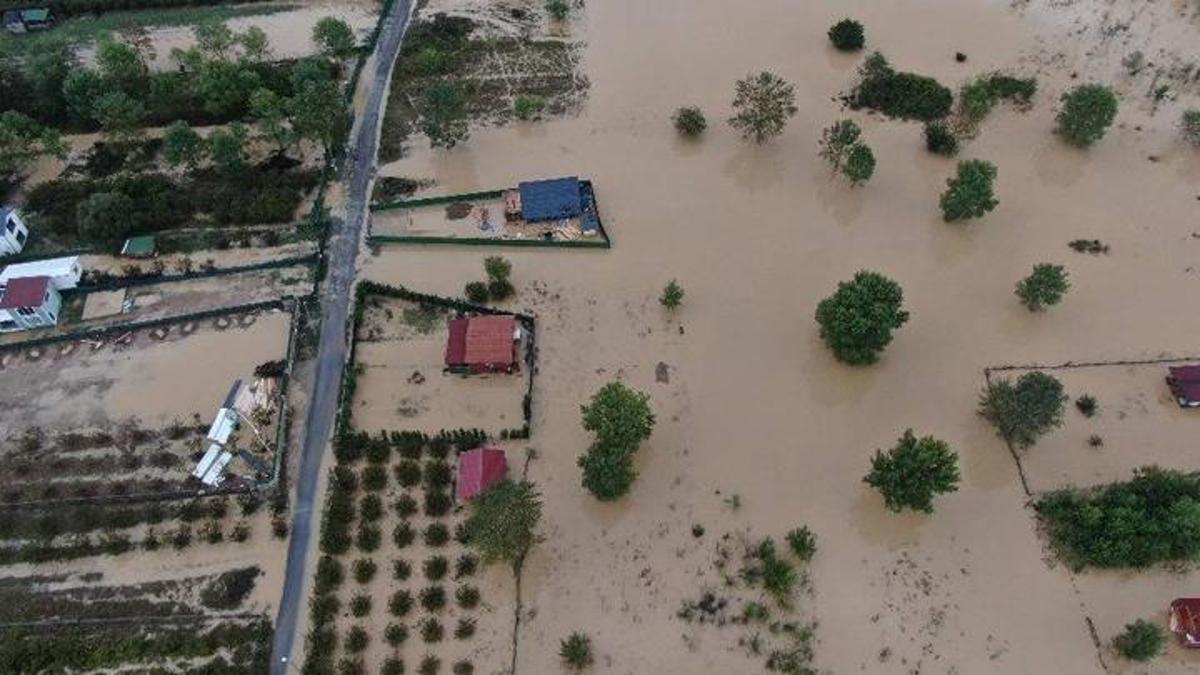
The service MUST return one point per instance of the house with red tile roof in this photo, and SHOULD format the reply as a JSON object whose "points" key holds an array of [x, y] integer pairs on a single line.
{"points": [[483, 344], [29, 302]]}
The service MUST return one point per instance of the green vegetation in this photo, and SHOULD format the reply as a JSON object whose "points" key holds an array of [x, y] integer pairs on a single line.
{"points": [[689, 121], [1088, 110], [858, 319], [504, 520], [672, 296], [762, 105], [1044, 287], [836, 141], [803, 543], [528, 106], [1141, 641], [911, 474], [22, 140], [860, 164], [980, 95], [969, 194], [1024, 411], [898, 94], [558, 10], [1190, 124], [334, 38], [1153, 518], [446, 121], [576, 651], [1086, 405], [847, 35], [621, 419], [940, 140]]}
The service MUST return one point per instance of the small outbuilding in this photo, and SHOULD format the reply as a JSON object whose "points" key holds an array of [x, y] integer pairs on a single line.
{"points": [[483, 344], [1184, 382], [13, 231], [27, 19], [1185, 621], [139, 247], [553, 199], [478, 470]]}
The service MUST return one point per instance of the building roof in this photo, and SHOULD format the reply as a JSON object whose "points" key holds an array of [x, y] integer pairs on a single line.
{"points": [[138, 246], [479, 469], [1185, 620], [51, 267], [35, 14], [481, 341], [1185, 382], [25, 292], [552, 199]]}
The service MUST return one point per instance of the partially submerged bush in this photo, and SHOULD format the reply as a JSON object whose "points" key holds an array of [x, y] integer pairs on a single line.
{"points": [[689, 121], [911, 474], [576, 651], [940, 140], [476, 292], [528, 106], [1024, 411], [847, 35], [860, 164], [898, 94], [857, 321], [981, 94], [762, 105], [1088, 110], [802, 542], [969, 194], [1190, 123], [1086, 405], [1044, 287], [1141, 641]]}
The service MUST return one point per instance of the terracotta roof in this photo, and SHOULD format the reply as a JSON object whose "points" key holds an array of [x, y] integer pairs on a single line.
{"points": [[481, 340], [480, 469], [24, 292], [1185, 620], [1185, 382]]}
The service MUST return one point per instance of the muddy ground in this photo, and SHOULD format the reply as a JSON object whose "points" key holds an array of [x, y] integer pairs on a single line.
{"points": [[756, 406]]}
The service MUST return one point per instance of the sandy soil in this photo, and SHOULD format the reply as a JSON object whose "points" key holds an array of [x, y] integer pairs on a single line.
{"points": [[755, 405]]}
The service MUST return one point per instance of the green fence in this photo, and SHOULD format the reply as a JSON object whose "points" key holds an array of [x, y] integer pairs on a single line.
{"points": [[149, 280], [429, 201]]}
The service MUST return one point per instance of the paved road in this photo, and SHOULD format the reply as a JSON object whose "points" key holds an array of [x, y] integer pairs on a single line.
{"points": [[331, 354]]}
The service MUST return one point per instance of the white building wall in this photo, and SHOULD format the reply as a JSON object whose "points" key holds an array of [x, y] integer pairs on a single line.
{"points": [[13, 234]]}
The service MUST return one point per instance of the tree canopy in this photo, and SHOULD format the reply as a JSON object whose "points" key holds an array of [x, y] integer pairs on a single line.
{"points": [[183, 146], [762, 105], [334, 37], [858, 319], [1088, 110], [621, 420], [503, 521], [446, 122], [23, 140], [969, 194], [1024, 411], [911, 474], [105, 216], [1044, 287]]}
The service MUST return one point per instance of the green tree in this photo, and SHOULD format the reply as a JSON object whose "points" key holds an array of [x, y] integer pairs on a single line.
{"points": [[847, 35], [214, 38], [619, 416], [1190, 124], [940, 140], [576, 651], [182, 146], [672, 295], [227, 147], [607, 471], [690, 121], [254, 43], [497, 268], [837, 140], [503, 521], [319, 113], [122, 66], [969, 194], [81, 89], [1141, 641], [270, 111], [911, 474], [1024, 411], [334, 38], [528, 106], [446, 123], [120, 115], [1044, 287], [858, 319], [22, 140], [558, 10], [762, 105], [225, 87], [860, 164], [1088, 110], [104, 216]]}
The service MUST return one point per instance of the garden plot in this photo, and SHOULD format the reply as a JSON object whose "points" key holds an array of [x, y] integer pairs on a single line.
{"points": [[1137, 423], [468, 218], [401, 352]]}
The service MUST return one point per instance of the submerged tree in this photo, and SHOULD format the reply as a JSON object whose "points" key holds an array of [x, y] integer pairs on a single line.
{"points": [[182, 146], [672, 295], [576, 651], [1141, 641], [503, 521], [860, 164], [857, 321], [969, 194], [104, 216], [22, 140], [847, 35], [446, 121], [119, 115], [333, 37], [1088, 110], [1044, 287], [911, 474], [621, 419], [689, 121], [762, 105], [836, 141], [1024, 411]]}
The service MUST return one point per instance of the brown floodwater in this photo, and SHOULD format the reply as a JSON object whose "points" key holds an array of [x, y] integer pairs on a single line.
{"points": [[755, 405]]}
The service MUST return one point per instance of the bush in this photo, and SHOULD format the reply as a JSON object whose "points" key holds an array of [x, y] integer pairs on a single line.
{"points": [[436, 567], [465, 566], [940, 140], [911, 474], [438, 475], [229, 589], [803, 543], [368, 538], [465, 629], [360, 605], [576, 651], [467, 597], [1025, 411], [500, 289], [374, 478], [847, 35], [408, 474], [436, 534], [528, 106], [1086, 405], [395, 634], [762, 105], [902, 95], [476, 292], [1088, 110], [392, 665], [860, 164], [371, 508], [558, 10], [437, 504], [357, 639], [1044, 287], [403, 535], [1190, 124], [463, 668], [329, 574], [400, 604], [405, 505], [433, 598], [432, 630], [429, 665], [364, 570], [689, 121], [969, 194], [1141, 641], [858, 319]]}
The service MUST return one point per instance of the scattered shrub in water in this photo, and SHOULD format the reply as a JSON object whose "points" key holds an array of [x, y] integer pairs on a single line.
{"points": [[360, 605], [940, 140], [1093, 246], [902, 95], [1025, 411], [436, 534], [465, 629], [762, 105], [969, 194], [860, 164], [689, 121], [476, 292], [465, 566], [374, 478], [1190, 123], [911, 474], [847, 35], [329, 574], [1088, 110], [406, 506], [1141, 641], [437, 504], [802, 542], [371, 508], [857, 321], [408, 474], [467, 597], [403, 535], [429, 665], [435, 568], [432, 630], [1086, 405], [392, 666], [400, 603], [433, 598], [528, 106], [1044, 287], [368, 538], [463, 668], [364, 570], [401, 570], [576, 651], [357, 639], [438, 475]]}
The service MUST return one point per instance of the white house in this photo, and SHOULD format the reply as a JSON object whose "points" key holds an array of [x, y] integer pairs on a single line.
{"points": [[64, 273], [29, 302], [13, 232]]}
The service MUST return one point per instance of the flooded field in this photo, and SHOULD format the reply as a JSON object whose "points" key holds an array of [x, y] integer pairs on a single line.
{"points": [[754, 405]]}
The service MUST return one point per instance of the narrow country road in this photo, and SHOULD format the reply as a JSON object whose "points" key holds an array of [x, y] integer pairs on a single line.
{"points": [[331, 354]]}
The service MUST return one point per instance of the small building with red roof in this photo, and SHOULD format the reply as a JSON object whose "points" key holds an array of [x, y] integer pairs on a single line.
{"points": [[28, 302], [478, 470], [1184, 382], [483, 344], [1185, 621]]}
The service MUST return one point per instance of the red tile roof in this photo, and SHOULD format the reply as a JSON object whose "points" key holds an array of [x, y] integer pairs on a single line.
{"points": [[481, 341], [24, 292], [1185, 620], [1184, 382], [480, 469]]}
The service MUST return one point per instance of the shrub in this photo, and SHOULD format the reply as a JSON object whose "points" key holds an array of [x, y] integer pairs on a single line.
{"points": [[1025, 411], [395, 634], [436, 534], [1086, 405], [467, 597], [762, 105], [1141, 641], [432, 630], [503, 521], [803, 543], [438, 475], [940, 140], [401, 570], [463, 667], [371, 508], [847, 35], [860, 164], [465, 629], [689, 121], [437, 503], [969, 194], [476, 292], [368, 538], [408, 473], [778, 576], [405, 506], [576, 651], [1044, 287], [836, 141], [858, 319], [350, 666], [392, 665], [558, 10], [400, 604], [364, 570], [182, 537], [403, 535], [1190, 124], [360, 605], [528, 106], [898, 94], [229, 589], [672, 296], [357, 639], [374, 478], [429, 665], [1088, 110], [911, 474], [500, 290], [436, 567], [433, 598], [329, 574], [497, 268]]}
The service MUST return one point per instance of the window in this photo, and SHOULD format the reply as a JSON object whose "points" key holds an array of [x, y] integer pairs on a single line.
{"points": [[25, 311], [7, 324], [21, 238], [11, 224]]}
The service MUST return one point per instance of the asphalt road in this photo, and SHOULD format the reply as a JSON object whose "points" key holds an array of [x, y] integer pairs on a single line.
{"points": [[331, 352]]}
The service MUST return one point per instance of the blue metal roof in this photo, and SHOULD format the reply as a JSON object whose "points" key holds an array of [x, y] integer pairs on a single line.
{"points": [[552, 199]]}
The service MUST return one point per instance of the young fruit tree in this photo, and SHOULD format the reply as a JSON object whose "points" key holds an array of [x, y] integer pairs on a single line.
{"points": [[1088, 110], [1024, 411], [1044, 287], [446, 123], [689, 121], [762, 105], [911, 474], [847, 35], [503, 521], [837, 140], [672, 296], [969, 194], [860, 165], [858, 319]]}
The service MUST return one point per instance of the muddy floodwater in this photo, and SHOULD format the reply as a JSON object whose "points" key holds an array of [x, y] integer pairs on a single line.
{"points": [[754, 405]]}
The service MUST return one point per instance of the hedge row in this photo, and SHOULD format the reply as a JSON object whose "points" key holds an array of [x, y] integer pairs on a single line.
{"points": [[67, 8]]}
